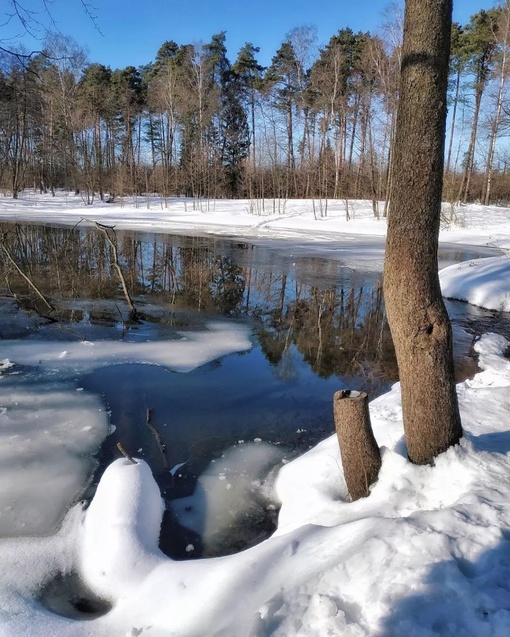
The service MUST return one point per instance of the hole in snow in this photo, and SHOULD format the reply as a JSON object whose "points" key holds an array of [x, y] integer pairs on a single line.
{"points": [[68, 596]]}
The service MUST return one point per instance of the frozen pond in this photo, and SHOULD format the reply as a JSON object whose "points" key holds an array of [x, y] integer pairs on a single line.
{"points": [[314, 324]]}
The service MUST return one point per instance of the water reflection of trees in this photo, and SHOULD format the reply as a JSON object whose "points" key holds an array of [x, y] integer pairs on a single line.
{"points": [[339, 329]]}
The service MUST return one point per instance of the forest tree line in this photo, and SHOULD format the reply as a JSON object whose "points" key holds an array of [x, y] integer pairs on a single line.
{"points": [[316, 123]]}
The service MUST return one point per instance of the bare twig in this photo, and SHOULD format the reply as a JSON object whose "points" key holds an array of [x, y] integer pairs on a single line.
{"points": [[27, 278], [157, 437], [88, 8], [125, 453], [36, 28], [111, 237]]}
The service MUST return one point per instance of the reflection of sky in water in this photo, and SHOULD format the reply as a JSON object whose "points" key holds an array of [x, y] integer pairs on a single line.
{"points": [[273, 392], [239, 397]]}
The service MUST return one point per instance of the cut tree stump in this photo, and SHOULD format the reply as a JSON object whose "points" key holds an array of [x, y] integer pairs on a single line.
{"points": [[361, 457]]}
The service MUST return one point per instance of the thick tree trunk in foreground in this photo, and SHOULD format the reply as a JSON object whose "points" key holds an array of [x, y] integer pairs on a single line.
{"points": [[419, 324], [361, 458]]}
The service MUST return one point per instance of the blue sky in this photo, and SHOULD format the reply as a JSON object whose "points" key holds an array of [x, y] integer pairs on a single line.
{"points": [[133, 31]]}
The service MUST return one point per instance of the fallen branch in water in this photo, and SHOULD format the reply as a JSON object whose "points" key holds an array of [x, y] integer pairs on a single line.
{"points": [[111, 237], [157, 437], [25, 276]]}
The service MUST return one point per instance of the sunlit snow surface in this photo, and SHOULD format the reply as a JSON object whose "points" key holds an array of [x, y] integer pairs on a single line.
{"points": [[428, 553], [292, 223], [482, 282]]}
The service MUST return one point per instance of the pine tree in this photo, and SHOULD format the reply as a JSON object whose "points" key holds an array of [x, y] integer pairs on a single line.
{"points": [[96, 103], [337, 81], [235, 134], [282, 77], [249, 74], [129, 95], [480, 46]]}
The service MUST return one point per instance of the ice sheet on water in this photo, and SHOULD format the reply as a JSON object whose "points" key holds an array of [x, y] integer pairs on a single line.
{"points": [[48, 433], [192, 350], [232, 496], [49, 430]]}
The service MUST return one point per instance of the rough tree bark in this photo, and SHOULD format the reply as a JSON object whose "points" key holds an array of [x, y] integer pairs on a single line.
{"points": [[418, 320], [361, 458]]}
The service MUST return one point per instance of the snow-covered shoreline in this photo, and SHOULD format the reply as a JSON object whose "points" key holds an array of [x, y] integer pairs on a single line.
{"points": [[293, 219], [293, 225], [426, 554]]}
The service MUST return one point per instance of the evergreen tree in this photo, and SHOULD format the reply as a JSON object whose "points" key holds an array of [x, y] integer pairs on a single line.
{"points": [[282, 76], [230, 133], [249, 73], [167, 52], [129, 94], [338, 82], [459, 57], [480, 46], [235, 134], [97, 112], [219, 66]]}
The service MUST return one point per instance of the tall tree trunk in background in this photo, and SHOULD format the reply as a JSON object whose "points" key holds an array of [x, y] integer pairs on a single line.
{"points": [[454, 121], [504, 41], [482, 39], [496, 123], [418, 320], [470, 159]]}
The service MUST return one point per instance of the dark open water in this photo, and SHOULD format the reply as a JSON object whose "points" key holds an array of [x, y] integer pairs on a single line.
{"points": [[317, 326]]}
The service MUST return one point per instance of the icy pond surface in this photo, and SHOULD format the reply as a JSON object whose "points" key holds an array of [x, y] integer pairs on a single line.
{"points": [[229, 372]]}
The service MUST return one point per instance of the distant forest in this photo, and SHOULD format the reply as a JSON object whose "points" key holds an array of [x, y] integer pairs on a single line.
{"points": [[316, 123]]}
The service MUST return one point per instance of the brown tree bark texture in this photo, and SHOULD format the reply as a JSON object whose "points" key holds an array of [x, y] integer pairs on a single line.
{"points": [[418, 320], [361, 458]]}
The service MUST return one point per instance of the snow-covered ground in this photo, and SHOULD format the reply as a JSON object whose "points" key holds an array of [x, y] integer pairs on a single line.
{"points": [[427, 553]]}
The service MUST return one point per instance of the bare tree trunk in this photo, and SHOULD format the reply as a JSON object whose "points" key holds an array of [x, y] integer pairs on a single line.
{"points": [[449, 186], [496, 122], [361, 458], [454, 121], [27, 278], [470, 160], [110, 236], [418, 320]]}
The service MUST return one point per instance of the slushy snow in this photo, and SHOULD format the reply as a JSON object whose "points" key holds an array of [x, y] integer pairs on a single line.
{"points": [[426, 554]]}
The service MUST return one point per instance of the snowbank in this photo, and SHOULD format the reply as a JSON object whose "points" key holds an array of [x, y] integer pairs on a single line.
{"points": [[482, 282], [292, 220]]}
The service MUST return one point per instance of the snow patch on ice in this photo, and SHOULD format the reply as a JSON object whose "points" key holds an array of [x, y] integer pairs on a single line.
{"points": [[228, 492], [192, 350]]}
